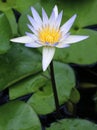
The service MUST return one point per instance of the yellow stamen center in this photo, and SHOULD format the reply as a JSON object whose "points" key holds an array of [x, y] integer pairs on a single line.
{"points": [[49, 35]]}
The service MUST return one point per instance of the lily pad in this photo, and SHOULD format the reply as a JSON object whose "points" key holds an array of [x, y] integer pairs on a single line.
{"points": [[5, 34], [18, 63], [22, 5], [75, 96], [6, 8], [18, 116], [73, 124], [29, 85], [43, 101]]}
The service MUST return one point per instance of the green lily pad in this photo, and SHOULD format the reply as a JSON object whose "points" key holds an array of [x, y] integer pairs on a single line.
{"points": [[22, 5], [73, 124], [29, 85], [18, 116], [75, 96], [18, 63], [5, 34], [43, 101], [6, 8]]}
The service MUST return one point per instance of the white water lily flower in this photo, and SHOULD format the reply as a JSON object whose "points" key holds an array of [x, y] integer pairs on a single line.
{"points": [[47, 32]]}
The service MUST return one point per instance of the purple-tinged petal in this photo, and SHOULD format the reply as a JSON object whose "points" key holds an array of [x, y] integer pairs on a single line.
{"points": [[34, 37], [36, 16], [58, 20], [66, 27], [63, 37], [32, 29], [52, 19], [33, 45], [62, 45], [44, 17], [35, 25]]}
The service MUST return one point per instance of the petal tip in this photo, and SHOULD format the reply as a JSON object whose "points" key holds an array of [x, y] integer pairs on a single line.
{"points": [[55, 9], [85, 37], [14, 40], [11, 40], [44, 68], [73, 18]]}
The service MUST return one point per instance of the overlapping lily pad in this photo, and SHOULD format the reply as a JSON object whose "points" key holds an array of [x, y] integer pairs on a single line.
{"points": [[43, 101], [6, 8], [18, 63], [18, 116], [72, 124], [29, 85]]}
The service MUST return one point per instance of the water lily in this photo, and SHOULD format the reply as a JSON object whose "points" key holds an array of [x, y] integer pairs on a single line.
{"points": [[47, 33]]}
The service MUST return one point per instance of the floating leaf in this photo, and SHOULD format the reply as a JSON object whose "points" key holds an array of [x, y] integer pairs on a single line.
{"points": [[5, 34], [43, 101], [75, 96], [22, 5], [6, 8], [18, 116], [73, 124], [27, 86], [17, 64]]}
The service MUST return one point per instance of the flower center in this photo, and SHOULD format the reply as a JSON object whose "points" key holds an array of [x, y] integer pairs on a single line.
{"points": [[49, 35]]}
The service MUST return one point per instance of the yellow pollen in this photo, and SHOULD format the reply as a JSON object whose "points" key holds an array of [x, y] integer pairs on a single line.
{"points": [[49, 35]]}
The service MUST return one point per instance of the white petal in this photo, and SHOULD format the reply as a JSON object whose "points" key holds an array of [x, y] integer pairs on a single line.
{"points": [[74, 38], [63, 37], [45, 17], [52, 19], [62, 45], [23, 39], [56, 11], [66, 27], [33, 45], [35, 25], [36, 15], [47, 56], [58, 20], [34, 37], [32, 21], [32, 29]]}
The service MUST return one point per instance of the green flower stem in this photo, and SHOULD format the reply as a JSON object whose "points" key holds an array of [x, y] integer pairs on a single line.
{"points": [[54, 89]]}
